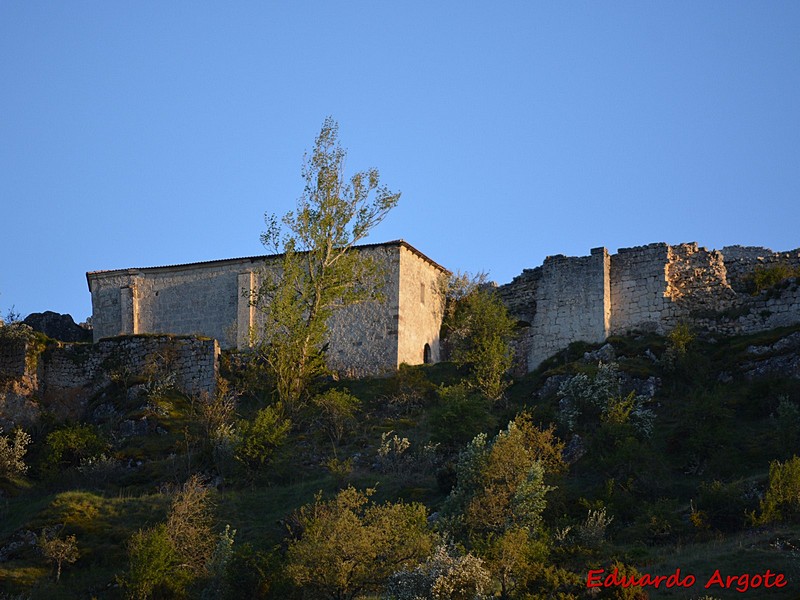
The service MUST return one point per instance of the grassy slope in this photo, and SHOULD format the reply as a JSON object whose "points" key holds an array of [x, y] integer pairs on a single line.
{"points": [[706, 431]]}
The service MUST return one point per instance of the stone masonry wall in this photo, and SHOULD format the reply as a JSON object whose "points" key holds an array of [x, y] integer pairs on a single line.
{"points": [[650, 288], [740, 261], [67, 376], [421, 309], [363, 337], [638, 289], [572, 303], [211, 299]]}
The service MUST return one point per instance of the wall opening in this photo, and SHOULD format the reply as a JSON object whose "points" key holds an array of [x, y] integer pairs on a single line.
{"points": [[426, 354]]}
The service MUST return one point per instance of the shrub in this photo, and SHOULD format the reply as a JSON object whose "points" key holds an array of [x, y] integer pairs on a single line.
{"points": [[350, 546], [261, 437], [460, 415], [12, 453], [722, 506], [68, 446], [445, 575], [782, 499], [480, 331], [153, 565], [337, 412], [766, 277], [586, 401]]}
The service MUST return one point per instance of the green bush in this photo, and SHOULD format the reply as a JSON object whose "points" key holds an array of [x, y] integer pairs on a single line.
{"points": [[460, 415], [12, 453], [261, 437], [724, 507], [782, 499], [153, 571], [68, 446], [766, 277], [336, 412]]}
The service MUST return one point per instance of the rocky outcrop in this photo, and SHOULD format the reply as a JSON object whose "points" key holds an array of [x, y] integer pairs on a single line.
{"points": [[58, 327]]}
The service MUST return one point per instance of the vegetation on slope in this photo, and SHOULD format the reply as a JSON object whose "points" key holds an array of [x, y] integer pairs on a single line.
{"points": [[678, 456]]}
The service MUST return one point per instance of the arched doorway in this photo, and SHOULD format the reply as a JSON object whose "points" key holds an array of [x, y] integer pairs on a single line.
{"points": [[426, 354]]}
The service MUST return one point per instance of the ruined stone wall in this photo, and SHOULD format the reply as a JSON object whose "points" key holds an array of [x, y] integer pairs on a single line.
{"points": [[776, 307], [519, 295], [62, 379], [697, 280], [649, 288], [741, 261], [12, 357], [421, 309], [572, 303]]}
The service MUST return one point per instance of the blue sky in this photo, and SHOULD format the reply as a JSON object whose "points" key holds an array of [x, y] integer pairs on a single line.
{"points": [[150, 133]]}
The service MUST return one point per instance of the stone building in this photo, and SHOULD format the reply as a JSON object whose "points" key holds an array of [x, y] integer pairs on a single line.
{"points": [[211, 299]]}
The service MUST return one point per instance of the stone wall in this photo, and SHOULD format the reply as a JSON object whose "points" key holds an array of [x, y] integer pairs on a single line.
{"points": [[638, 289], [741, 261], [364, 337], [572, 303], [63, 378], [421, 309], [646, 288]]}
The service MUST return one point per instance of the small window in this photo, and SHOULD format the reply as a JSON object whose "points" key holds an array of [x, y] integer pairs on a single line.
{"points": [[422, 293], [426, 354]]}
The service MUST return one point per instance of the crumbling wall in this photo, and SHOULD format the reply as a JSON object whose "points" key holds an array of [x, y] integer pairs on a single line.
{"points": [[649, 288], [697, 281], [741, 261], [61, 379]]}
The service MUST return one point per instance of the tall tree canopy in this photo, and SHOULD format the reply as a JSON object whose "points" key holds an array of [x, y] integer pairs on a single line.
{"points": [[319, 271]]}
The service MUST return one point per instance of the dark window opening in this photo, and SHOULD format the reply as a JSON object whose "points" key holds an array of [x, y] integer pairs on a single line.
{"points": [[426, 354]]}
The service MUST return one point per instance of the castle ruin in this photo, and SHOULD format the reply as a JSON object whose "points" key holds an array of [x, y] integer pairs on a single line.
{"points": [[647, 288]]}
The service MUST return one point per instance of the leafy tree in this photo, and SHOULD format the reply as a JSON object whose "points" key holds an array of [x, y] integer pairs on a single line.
{"points": [[479, 331], [59, 550], [498, 501], [349, 546], [66, 447], [501, 483], [319, 271]]}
